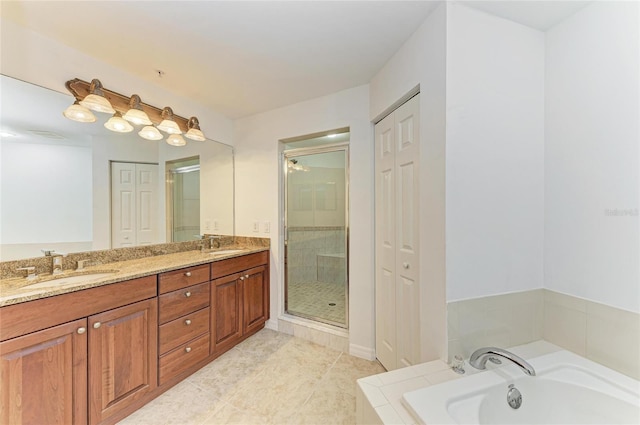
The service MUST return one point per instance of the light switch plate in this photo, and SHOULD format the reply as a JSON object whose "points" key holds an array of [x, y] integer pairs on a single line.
{"points": [[256, 226], [266, 226]]}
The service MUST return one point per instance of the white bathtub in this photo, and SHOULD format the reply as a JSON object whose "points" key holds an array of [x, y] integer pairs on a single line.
{"points": [[568, 389]]}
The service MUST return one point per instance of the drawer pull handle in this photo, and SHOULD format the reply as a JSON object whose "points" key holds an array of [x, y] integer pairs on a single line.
{"points": [[188, 274], [82, 330], [187, 322], [187, 350], [97, 325], [187, 294]]}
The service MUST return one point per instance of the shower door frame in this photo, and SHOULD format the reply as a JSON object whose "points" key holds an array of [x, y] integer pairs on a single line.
{"points": [[297, 152]]}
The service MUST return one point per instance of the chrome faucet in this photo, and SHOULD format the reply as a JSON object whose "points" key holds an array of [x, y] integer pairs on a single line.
{"points": [[56, 260], [213, 240], [480, 356]]}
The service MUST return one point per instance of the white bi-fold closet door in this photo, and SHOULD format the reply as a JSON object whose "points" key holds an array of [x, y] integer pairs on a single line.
{"points": [[134, 204], [397, 158]]}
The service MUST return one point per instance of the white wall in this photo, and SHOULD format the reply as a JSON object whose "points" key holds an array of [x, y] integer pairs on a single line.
{"points": [[591, 155], [258, 173], [421, 61], [495, 154], [32, 57]]}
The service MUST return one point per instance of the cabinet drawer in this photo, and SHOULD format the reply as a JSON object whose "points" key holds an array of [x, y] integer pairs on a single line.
{"points": [[177, 279], [237, 264], [183, 329], [183, 301], [182, 358]]}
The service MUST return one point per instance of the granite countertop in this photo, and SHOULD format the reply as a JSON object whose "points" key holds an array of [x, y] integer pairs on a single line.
{"points": [[19, 290]]}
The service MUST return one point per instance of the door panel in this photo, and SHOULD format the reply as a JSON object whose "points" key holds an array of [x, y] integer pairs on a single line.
{"points": [[123, 357], [45, 376], [397, 237]]}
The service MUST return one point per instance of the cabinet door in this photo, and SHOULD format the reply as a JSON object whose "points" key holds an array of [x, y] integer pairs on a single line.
{"points": [[226, 316], [123, 358], [44, 376], [255, 298]]}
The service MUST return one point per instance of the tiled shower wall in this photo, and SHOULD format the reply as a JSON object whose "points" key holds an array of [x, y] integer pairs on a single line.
{"points": [[604, 334], [316, 254]]}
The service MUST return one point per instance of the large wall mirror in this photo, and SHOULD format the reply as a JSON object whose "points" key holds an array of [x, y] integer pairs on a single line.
{"points": [[60, 181]]}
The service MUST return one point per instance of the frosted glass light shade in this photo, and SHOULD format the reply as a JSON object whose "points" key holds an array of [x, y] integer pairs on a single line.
{"points": [[118, 124], [195, 134], [150, 133], [176, 140], [79, 113], [137, 117], [97, 103], [169, 126]]}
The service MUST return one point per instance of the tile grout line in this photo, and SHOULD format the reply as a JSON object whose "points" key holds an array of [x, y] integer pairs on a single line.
{"points": [[321, 380]]}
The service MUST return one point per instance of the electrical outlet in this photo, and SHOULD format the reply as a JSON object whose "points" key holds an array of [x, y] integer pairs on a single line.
{"points": [[216, 225], [207, 225], [266, 226], [256, 226]]}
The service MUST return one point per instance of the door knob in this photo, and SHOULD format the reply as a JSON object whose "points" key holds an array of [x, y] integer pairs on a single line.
{"points": [[97, 325], [82, 330], [187, 294], [241, 277], [187, 350], [246, 276], [405, 265], [188, 274], [187, 322]]}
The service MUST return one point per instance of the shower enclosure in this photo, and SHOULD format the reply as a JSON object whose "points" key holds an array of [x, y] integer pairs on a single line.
{"points": [[316, 232]]}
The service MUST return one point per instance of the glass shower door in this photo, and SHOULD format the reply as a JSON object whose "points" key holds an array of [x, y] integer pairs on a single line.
{"points": [[316, 200]]}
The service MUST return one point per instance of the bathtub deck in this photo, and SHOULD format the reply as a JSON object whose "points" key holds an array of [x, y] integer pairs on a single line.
{"points": [[379, 397]]}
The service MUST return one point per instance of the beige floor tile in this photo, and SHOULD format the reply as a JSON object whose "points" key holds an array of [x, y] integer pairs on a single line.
{"points": [[184, 404], [327, 405], [271, 378]]}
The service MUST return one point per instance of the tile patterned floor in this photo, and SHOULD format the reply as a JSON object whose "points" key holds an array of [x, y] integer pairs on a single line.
{"points": [[270, 378], [313, 299]]}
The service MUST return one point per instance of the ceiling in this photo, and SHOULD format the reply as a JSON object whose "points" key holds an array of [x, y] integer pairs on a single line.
{"points": [[244, 57]]}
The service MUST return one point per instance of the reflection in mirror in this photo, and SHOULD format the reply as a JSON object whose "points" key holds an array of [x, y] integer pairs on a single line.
{"points": [[56, 177], [183, 198]]}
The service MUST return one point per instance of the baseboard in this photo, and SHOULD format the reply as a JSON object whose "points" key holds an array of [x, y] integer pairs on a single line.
{"points": [[271, 324], [362, 352]]}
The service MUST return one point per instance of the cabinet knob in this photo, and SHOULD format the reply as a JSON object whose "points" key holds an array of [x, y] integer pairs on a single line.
{"points": [[241, 277], [97, 325], [187, 350], [82, 330], [187, 294], [188, 274], [187, 322], [405, 265], [246, 276]]}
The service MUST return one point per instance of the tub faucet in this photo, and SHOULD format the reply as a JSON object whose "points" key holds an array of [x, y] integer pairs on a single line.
{"points": [[480, 356]]}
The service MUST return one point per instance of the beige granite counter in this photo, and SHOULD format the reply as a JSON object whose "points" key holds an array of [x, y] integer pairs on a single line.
{"points": [[18, 290]]}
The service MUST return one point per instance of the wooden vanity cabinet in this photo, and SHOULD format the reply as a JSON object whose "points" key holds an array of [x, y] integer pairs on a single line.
{"points": [[83, 357], [239, 299]]}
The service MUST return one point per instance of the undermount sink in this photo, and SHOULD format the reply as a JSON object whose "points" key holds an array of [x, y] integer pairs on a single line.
{"points": [[71, 279], [227, 252]]}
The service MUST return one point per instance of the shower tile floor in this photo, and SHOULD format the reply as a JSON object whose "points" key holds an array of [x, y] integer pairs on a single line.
{"points": [[270, 378], [314, 299]]}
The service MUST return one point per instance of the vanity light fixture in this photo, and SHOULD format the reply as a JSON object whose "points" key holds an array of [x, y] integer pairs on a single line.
{"points": [[176, 140], [118, 124], [128, 110], [150, 133], [194, 132], [168, 125], [95, 100], [135, 114], [79, 113]]}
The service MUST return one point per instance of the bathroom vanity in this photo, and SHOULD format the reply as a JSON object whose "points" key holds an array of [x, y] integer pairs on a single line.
{"points": [[95, 350]]}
